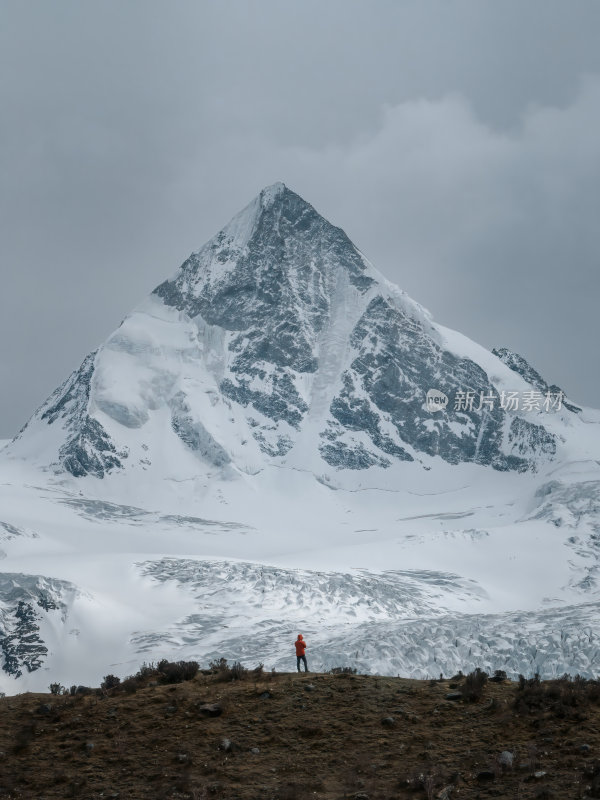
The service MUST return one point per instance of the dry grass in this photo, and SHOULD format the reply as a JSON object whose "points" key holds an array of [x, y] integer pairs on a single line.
{"points": [[299, 736]]}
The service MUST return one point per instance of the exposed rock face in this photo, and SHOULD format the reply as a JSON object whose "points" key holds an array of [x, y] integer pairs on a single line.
{"points": [[521, 366], [396, 363], [279, 341], [194, 434], [25, 601], [275, 292], [86, 448]]}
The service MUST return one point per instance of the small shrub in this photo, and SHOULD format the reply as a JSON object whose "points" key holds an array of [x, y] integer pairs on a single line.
{"points": [[130, 685], [82, 690], [110, 682], [472, 688], [57, 688], [342, 671], [224, 672], [218, 666], [146, 671], [564, 697], [176, 671], [238, 672]]}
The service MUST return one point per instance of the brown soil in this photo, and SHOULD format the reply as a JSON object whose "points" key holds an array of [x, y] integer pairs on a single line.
{"points": [[317, 736]]}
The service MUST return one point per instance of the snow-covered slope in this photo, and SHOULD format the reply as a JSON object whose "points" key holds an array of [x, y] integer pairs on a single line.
{"points": [[252, 450]]}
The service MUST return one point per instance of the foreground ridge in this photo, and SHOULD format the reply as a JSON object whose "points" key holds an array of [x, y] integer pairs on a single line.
{"points": [[294, 736]]}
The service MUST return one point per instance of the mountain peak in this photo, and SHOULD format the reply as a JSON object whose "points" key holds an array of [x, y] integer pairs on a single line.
{"points": [[271, 193], [279, 340], [243, 226]]}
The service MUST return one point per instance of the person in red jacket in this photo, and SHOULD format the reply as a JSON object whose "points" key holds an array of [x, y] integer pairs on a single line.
{"points": [[300, 648]]}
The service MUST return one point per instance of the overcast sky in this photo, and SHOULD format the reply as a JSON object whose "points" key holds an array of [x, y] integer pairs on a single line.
{"points": [[457, 144]]}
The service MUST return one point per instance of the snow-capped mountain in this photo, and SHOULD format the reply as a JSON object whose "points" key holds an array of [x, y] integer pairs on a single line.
{"points": [[278, 342], [277, 436]]}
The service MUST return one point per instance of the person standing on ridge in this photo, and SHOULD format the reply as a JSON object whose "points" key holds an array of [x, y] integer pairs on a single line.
{"points": [[300, 648]]}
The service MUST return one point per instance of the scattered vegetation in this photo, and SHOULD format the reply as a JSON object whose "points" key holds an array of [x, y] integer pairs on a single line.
{"points": [[472, 686], [110, 681], [59, 689], [176, 671], [342, 671], [146, 672], [563, 697], [233, 672], [164, 672], [82, 690]]}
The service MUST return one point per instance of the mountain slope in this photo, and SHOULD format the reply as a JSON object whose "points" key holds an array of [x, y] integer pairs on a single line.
{"points": [[254, 452]]}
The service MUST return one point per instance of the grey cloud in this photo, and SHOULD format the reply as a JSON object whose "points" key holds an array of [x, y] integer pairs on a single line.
{"points": [[494, 231], [454, 141]]}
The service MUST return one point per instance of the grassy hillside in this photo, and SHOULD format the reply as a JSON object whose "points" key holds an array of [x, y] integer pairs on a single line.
{"points": [[290, 736]]}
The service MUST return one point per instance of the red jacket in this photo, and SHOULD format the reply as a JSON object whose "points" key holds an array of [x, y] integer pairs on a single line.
{"points": [[300, 646]]}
